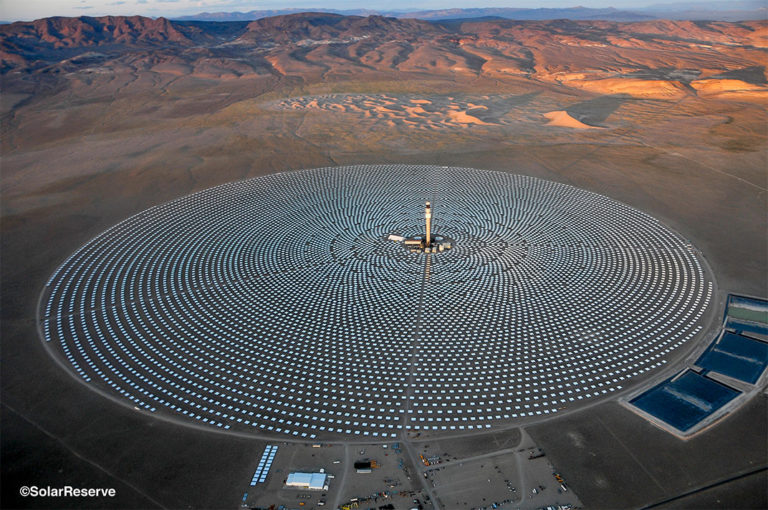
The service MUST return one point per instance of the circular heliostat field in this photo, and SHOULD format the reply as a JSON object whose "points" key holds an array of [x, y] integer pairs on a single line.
{"points": [[280, 303]]}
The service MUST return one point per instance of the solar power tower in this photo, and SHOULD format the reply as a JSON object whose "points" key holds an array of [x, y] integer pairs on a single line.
{"points": [[428, 214]]}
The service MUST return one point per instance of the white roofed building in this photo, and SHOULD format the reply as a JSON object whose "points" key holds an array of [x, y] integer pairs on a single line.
{"points": [[311, 481]]}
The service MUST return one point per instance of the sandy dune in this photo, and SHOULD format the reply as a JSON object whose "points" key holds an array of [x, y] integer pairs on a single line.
{"points": [[462, 117], [561, 118], [437, 113], [635, 87], [722, 87]]}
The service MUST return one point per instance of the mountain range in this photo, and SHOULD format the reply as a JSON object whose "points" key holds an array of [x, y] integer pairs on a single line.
{"points": [[658, 58], [574, 13], [738, 10]]}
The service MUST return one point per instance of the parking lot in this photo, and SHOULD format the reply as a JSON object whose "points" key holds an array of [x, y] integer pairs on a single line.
{"points": [[515, 477]]}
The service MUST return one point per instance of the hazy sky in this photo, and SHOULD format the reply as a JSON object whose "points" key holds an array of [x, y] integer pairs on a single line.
{"points": [[14, 10]]}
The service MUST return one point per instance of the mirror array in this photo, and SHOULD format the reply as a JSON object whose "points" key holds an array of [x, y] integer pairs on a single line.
{"points": [[278, 304]]}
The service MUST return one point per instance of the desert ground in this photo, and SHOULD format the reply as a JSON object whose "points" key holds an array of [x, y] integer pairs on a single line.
{"points": [[680, 132]]}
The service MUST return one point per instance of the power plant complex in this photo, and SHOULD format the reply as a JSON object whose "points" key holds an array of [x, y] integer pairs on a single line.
{"points": [[532, 285]]}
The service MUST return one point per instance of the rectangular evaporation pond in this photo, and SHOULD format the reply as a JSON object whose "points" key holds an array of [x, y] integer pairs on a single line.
{"points": [[747, 314], [746, 326], [684, 401], [736, 356]]}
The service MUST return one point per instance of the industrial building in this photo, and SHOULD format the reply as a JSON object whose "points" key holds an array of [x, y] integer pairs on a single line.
{"points": [[309, 481]]}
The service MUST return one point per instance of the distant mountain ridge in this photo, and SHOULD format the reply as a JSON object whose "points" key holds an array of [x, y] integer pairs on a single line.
{"points": [[714, 11], [730, 5], [268, 13], [62, 32], [575, 13]]}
